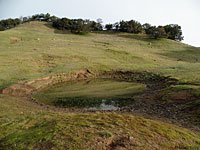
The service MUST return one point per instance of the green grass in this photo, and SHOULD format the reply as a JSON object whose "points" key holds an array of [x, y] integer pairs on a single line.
{"points": [[192, 104], [26, 125], [197, 93], [105, 134], [177, 88], [58, 53]]}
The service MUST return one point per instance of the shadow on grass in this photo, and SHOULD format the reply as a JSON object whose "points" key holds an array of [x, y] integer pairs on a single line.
{"points": [[140, 37], [3, 86], [56, 31], [190, 54]]}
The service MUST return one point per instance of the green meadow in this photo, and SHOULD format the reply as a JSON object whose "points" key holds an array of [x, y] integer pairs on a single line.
{"points": [[41, 51]]}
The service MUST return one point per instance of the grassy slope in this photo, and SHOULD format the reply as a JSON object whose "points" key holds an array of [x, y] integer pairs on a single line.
{"points": [[67, 53], [25, 125]]}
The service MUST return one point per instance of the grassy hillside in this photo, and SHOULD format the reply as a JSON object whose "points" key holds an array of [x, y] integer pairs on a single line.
{"points": [[35, 50], [43, 51]]}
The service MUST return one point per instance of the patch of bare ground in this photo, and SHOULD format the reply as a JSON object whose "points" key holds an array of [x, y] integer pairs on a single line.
{"points": [[44, 146], [14, 40], [122, 143], [19, 90], [28, 88], [150, 104], [125, 142]]}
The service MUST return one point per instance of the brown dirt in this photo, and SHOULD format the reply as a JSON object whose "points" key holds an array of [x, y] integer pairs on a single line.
{"points": [[124, 142], [121, 143], [25, 89], [181, 96], [83, 74], [15, 39], [44, 146], [152, 102], [19, 90]]}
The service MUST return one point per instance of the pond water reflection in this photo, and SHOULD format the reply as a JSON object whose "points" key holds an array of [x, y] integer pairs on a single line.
{"points": [[97, 94]]}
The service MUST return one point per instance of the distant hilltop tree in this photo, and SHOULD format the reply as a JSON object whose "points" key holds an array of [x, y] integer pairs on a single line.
{"points": [[77, 25], [174, 32], [9, 23], [109, 27], [171, 31], [147, 28], [159, 32], [131, 26]]}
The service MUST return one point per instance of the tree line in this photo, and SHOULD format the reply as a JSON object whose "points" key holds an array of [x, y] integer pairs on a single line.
{"points": [[9, 23], [171, 31], [78, 25]]}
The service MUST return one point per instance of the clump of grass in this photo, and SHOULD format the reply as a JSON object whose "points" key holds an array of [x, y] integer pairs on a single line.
{"points": [[26, 132], [105, 134], [192, 104], [117, 52], [197, 94], [182, 88], [181, 82], [178, 88]]}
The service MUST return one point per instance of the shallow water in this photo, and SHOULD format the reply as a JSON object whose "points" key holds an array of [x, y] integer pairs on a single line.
{"points": [[96, 94], [104, 106]]}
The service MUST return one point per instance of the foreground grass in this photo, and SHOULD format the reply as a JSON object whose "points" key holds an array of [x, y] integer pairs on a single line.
{"points": [[29, 126]]}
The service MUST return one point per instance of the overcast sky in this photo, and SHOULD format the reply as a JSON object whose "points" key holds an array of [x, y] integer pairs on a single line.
{"points": [[156, 12]]}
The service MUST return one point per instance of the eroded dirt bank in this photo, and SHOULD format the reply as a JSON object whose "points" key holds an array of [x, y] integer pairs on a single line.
{"points": [[153, 103]]}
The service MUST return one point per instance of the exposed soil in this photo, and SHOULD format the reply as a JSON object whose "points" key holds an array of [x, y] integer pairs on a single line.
{"points": [[151, 104], [19, 90], [28, 88], [14, 40], [83, 74], [123, 143]]}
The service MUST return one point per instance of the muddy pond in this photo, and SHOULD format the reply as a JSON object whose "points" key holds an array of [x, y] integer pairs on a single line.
{"points": [[96, 94]]}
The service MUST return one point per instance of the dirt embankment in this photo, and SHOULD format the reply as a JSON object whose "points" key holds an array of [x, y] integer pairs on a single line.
{"points": [[152, 103], [28, 88], [24, 89]]}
